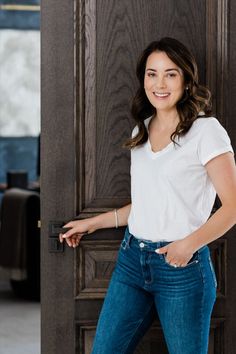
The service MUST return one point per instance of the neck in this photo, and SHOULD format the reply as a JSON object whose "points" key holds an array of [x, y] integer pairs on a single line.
{"points": [[165, 120]]}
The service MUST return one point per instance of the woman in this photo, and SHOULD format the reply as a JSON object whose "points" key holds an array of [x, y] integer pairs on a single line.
{"points": [[181, 157]]}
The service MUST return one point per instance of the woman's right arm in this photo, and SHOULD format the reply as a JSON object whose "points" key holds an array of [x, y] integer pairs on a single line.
{"points": [[89, 225], [106, 220]]}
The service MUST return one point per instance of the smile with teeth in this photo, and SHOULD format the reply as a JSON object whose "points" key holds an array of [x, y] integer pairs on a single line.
{"points": [[161, 95]]}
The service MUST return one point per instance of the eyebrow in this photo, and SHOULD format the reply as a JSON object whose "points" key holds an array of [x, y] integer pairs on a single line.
{"points": [[165, 70]]}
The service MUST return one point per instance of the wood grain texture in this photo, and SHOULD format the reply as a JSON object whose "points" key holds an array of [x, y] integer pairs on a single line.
{"points": [[57, 172], [114, 34], [95, 264], [126, 27]]}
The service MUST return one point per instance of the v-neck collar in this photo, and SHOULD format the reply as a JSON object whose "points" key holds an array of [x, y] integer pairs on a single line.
{"points": [[149, 147]]}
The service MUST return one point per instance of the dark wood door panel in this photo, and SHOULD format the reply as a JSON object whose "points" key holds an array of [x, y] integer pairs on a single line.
{"points": [[153, 341], [110, 37], [95, 264], [115, 33], [89, 54]]}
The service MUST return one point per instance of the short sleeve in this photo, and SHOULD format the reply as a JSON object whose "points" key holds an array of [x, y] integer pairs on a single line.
{"points": [[213, 141]]}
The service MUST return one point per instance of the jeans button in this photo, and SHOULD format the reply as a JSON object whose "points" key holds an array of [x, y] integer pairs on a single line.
{"points": [[141, 245]]}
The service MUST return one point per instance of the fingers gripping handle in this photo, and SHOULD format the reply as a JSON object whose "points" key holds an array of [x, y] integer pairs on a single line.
{"points": [[56, 228]]}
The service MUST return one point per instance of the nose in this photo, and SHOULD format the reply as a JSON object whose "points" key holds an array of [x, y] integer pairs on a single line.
{"points": [[160, 82]]}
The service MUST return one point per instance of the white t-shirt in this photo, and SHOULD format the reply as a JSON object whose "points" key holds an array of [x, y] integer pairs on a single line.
{"points": [[171, 192]]}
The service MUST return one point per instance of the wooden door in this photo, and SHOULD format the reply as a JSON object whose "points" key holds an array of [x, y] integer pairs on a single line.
{"points": [[89, 54]]}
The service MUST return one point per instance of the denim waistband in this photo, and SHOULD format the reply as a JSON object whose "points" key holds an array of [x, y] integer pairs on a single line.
{"points": [[148, 244]]}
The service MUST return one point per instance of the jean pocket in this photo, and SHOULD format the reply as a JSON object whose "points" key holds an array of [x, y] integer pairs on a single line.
{"points": [[212, 271], [194, 260]]}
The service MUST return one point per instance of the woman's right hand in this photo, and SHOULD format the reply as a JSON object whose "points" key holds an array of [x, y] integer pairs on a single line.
{"points": [[78, 228]]}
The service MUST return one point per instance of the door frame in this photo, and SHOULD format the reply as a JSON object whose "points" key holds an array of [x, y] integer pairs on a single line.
{"points": [[58, 187]]}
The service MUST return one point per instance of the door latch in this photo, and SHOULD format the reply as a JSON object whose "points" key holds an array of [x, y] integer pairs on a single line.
{"points": [[56, 228]]}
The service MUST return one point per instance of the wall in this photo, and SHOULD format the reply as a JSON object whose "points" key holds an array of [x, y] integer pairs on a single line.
{"points": [[19, 86]]}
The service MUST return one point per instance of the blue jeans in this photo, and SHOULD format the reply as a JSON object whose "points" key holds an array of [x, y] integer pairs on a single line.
{"points": [[143, 283]]}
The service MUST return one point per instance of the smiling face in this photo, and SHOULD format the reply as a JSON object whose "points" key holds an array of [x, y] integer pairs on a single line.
{"points": [[163, 81]]}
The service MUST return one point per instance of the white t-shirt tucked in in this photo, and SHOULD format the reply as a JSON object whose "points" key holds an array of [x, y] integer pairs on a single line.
{"points": [[171, 192]]}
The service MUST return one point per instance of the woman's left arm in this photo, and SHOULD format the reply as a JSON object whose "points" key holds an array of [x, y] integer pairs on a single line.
{"points": [[222, 172]]}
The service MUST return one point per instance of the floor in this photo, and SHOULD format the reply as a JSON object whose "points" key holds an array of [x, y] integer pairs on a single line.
{"points": [[19, 323]]}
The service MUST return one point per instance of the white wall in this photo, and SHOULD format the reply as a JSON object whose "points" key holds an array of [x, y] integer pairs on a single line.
{"points": [[19, 83]]}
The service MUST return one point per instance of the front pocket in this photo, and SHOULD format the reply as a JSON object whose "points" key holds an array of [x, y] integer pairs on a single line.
{"points": [[194, 260]]}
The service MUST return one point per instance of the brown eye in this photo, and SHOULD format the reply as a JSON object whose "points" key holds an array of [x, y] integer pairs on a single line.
{"points": [[171, 75]]}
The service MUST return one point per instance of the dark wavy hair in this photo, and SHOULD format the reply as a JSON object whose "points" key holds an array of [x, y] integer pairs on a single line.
{"points": [[195, 99]]}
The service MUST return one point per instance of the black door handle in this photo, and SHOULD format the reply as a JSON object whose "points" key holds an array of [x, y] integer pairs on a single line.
{"points": [[56, 228]]}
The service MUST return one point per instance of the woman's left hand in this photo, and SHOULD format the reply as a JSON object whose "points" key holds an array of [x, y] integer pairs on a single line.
{"points": [[177, 252]]}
